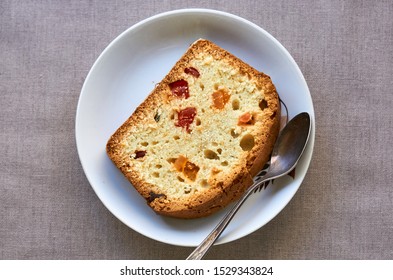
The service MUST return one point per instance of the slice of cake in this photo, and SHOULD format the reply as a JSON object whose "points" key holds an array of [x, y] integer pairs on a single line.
{"points": [[194, 145]]}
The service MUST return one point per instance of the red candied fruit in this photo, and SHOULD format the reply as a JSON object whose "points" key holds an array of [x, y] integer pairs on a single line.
{"points": [[192, 71], [139, 154], [185, 118], [180, 89]]}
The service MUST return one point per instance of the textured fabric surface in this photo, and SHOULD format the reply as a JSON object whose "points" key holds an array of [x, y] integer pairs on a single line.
{"points": [[344, 207]]}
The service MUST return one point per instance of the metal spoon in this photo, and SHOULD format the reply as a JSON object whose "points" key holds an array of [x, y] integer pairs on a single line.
{"points": [[286, 153]]}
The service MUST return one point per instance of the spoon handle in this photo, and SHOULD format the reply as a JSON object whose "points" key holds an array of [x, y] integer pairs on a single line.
{"points": [[202, 249]]}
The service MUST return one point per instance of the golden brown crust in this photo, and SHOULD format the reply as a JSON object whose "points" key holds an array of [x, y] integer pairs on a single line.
{"points": [[216, 184]]}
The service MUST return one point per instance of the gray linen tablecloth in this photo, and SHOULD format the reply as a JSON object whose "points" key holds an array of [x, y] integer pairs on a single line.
{"points": [[344, 207]]}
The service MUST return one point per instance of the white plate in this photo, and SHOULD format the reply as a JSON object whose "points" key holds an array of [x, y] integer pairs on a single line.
{"points": [[126, 72]]}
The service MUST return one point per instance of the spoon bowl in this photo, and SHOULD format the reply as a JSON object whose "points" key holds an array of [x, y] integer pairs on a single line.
{"points": [[286, 153], [289, 146]]}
